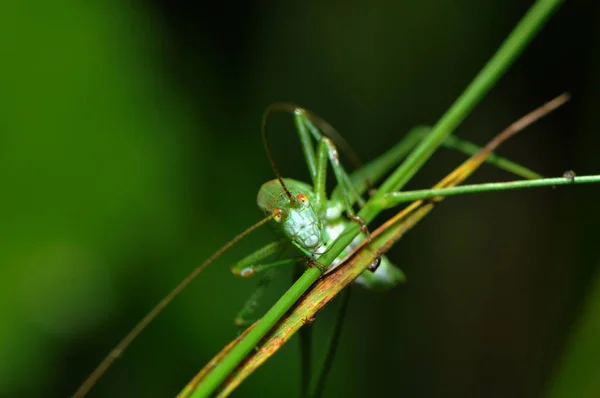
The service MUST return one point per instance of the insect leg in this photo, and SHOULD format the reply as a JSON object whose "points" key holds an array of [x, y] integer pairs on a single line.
{"points": [[471, 149], [377, 168], [252, 263], [306, 143], [242, 319], [351, 195], [316, 165], [257, 268]]}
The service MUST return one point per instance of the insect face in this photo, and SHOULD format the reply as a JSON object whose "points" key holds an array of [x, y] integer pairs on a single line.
{"points": [[302, 224]]}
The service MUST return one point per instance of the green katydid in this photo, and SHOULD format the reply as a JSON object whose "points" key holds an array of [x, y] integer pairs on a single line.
{"points": [[306, 217], [309, 219], [383, 238]]}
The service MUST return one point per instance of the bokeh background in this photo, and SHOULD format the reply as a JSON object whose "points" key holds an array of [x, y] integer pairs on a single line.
{"points": [[130, 150]]}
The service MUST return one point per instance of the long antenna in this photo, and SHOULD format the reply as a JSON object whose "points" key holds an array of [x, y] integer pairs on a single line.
{"points": [[265, 119], [123, 344]]}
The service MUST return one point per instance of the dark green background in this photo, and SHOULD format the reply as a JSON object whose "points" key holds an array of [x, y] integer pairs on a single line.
{"points": [[130, 150]]}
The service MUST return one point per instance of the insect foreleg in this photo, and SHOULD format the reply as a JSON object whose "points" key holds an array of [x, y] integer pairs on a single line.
{"points": [[350, 196], [251, 264]]}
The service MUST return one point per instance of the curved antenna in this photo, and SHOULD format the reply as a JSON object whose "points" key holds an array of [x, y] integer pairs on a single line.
{"points": [[327, 129], [123, 344], [265, 119]]}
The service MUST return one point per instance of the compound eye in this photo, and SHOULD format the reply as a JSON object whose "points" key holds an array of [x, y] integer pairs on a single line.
{"points": [[279, 214], [302, 198]]}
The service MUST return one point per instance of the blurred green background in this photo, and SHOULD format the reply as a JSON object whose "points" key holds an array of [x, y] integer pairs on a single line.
{"points": [[130, 150]]}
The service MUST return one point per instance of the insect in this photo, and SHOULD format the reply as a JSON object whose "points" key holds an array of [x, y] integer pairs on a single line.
{"points": [[306, 219], [309, 220], [245, 354], [304, 215]]}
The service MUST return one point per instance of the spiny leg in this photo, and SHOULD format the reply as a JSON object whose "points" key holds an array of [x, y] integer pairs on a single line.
{"points": [[318, 167], [317, 164], [328, 151], [373, 171], [305, 122], [350, 189], [305, 346], [305, 125]]}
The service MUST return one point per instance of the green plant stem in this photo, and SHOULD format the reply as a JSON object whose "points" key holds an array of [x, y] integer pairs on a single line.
{"points": [[514, 44], [305, 338], [394, 198], [510, 49]]}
